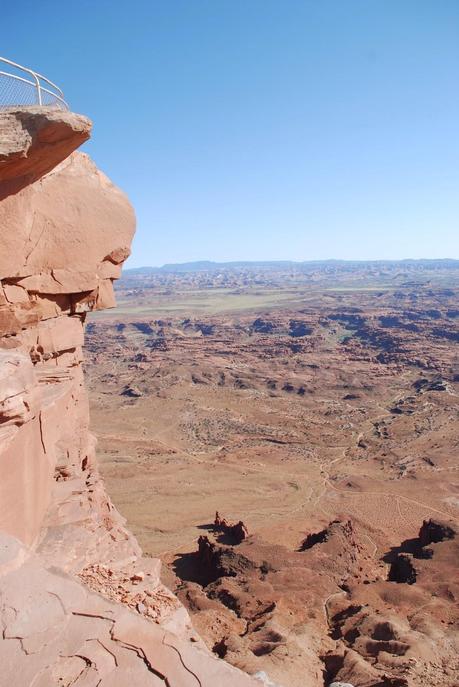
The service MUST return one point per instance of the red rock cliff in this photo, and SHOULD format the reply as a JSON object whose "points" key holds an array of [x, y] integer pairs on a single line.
{"points": [[79, 605]]}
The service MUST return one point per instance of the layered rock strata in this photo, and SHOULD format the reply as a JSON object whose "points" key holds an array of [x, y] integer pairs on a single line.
{"points": [[78, 604]]}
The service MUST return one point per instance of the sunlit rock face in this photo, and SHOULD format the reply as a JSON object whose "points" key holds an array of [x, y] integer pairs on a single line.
{"points": [[33, 141], [64, 238], [78, 604]]}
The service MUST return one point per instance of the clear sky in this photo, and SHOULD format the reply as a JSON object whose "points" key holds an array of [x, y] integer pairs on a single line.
{"points": [[264, 129]]}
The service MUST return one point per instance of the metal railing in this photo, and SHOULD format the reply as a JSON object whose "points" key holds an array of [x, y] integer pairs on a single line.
{"points": [[34, 91]]}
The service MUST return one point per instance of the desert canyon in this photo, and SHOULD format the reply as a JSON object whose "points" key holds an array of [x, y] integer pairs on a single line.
{"points": [[317, 405], [79, 605], [282, 441]]}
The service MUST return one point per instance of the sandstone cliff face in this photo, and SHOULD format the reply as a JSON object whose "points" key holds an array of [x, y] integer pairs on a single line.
{"points": [[78, 604]]}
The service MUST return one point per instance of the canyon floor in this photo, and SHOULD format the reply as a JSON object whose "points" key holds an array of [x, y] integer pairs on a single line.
{"points": [[320, 408]]}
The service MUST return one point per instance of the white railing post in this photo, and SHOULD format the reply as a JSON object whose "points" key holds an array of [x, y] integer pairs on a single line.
{"points": [[37, 81]]}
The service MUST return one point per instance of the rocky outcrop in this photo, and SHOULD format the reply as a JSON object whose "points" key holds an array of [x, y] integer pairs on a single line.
{"points": [[78, 603], [33, 142], [63, 241], [264, 607]]}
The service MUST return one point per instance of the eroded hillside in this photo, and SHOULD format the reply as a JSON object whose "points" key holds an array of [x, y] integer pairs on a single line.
{"points": [[328, 424]]}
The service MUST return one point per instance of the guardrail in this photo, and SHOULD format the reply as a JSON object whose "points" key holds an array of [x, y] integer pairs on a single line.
{"points": [[34, 91]]}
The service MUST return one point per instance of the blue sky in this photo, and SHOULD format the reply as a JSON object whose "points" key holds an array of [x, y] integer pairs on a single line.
{"points": [[261, 129]]}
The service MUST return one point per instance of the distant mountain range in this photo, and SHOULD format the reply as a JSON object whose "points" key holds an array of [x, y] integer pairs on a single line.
{"points": [[210, 266]]}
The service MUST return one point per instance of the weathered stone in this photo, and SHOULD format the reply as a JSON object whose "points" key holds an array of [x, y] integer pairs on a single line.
{"points": [[33, 142], [65, 234]]}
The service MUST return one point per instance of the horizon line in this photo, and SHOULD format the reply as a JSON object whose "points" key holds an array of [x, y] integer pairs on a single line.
{"points": [[290, 262]]}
